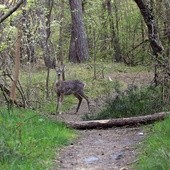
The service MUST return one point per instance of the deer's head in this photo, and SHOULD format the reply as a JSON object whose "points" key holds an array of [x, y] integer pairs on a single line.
{"points": [[60, 70]]}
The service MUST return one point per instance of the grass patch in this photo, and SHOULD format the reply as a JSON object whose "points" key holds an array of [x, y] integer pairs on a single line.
{"points": [[155, 151], [28, 140], [136, 102]]}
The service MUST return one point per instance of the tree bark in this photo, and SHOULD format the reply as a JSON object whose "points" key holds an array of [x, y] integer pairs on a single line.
{"points": [[16, 68], [114, 39], [60, 44], [154, 40], [28, 39], [152, 29], [109, 123], [78, 51], [167, 23], [45, 30]]}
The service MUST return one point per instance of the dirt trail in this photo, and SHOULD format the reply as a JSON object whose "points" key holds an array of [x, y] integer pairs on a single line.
{"points": [[111, 149]]}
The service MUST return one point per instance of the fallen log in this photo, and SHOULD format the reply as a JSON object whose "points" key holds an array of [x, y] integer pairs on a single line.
{"points": [[131, 121]]}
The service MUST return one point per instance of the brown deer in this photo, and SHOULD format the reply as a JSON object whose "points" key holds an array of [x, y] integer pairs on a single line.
{"points": [[69, 87]]}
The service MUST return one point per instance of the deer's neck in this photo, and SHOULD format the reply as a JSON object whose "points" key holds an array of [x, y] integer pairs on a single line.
{"points": [[58, 83]]}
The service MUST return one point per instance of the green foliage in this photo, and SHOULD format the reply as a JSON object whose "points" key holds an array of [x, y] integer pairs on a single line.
{"points": [[28, 141], [136, 102], [155, 151]]}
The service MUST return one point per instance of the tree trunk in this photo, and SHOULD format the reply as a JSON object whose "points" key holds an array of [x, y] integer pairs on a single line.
{"points": [[132, 121], [153, 36], [45, 35], [28, 39], [60, 44], [152, 29], [78, 51], [104, 31], [45, 31], [114, 39], [16, 68], [167, 29]]}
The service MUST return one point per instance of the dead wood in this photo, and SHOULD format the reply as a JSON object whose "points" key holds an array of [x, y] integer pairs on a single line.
{"points": [[131, 121], [6, 94]]}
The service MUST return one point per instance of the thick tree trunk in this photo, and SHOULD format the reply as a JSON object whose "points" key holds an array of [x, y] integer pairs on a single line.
{"points": [[78, 51], [132, 121]]}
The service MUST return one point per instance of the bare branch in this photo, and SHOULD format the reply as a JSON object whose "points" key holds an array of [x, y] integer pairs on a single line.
{"points": [[11, 11]]}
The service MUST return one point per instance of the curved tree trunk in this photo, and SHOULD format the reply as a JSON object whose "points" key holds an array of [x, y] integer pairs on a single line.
{"points": [[153, 36], [152, 29], [78, 51]]}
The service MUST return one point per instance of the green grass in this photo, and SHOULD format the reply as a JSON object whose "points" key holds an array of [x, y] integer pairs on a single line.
{"points": [[155, 151], [29, 141]]}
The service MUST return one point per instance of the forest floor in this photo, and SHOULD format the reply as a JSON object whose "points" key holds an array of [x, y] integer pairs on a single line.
{"points": [[109, 149]]}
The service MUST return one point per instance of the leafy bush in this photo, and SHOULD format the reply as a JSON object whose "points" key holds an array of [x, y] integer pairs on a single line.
{"points": [[136, 102], [29, 141]]}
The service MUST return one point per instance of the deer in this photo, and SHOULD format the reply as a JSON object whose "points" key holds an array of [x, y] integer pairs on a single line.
{"points": [[69, 87]]}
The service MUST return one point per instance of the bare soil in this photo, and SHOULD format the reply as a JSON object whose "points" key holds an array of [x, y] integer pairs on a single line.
{"points": [[109, 149]]}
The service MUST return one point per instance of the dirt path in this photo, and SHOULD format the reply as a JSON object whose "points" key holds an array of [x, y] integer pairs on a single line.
{"points": [[111, 149]]}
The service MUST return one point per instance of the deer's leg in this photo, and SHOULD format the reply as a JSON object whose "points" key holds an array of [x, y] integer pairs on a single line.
{"points": [[58, 101], [80, 100], [86, 98]]}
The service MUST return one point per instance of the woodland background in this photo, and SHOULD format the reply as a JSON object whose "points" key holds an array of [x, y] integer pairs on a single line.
{"points": [[59, 32], [94, 40]]}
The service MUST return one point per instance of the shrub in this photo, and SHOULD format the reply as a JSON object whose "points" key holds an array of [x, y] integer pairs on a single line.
{"points": [[141, 101]]}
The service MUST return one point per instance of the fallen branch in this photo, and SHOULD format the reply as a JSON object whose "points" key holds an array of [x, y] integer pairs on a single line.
{"points": [[6, 94], [131, 121]]}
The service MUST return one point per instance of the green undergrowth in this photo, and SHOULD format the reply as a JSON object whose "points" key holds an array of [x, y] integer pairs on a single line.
{"points": [[155, 150], [29, 141], [143, 101], [34, 82]]}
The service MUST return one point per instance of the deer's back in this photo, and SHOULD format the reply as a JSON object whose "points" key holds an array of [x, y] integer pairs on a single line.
{"points": [[70, 87]]}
